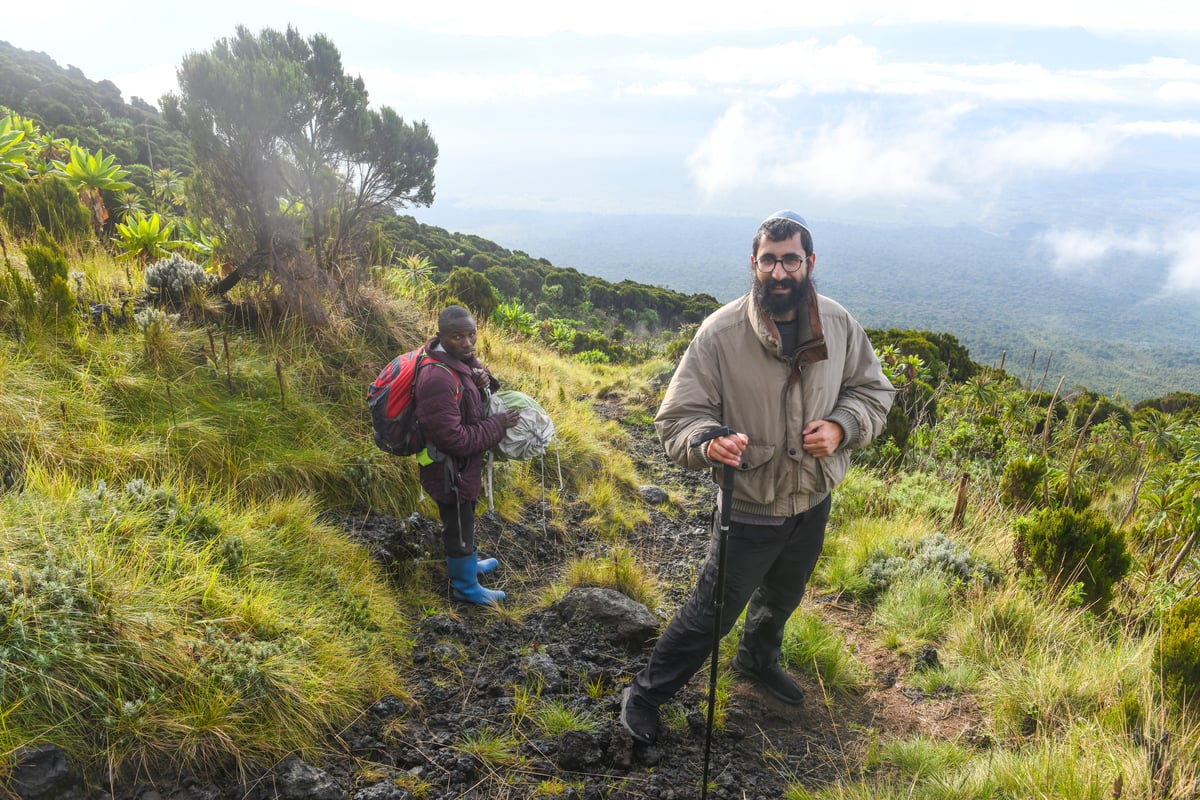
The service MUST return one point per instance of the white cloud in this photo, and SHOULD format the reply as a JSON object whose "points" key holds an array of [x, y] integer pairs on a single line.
{"points": [[536, 17], [800, 68], [1058, 147], [847, 65], [1077, 250], [752, 145], [1158, 68], [1179, 92], [1184, 247], [1177, 128], [663, 89], [468, 88], [730, 155], [864, 155], [852, 159]]}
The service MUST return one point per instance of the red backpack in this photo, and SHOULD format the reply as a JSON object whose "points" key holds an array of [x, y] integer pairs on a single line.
{"points": [[393, 410]]}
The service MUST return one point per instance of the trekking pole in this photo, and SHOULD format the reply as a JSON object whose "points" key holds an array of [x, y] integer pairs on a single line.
{"points": [[719, 595]]}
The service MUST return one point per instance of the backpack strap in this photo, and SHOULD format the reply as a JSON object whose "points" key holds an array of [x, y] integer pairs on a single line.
{"points": [[425, 358]]}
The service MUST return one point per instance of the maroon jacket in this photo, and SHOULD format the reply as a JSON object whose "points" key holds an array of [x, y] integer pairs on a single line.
{"points": [[458, 429]]}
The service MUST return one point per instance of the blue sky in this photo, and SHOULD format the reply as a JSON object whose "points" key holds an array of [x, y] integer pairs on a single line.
{"points": [[1082, 117]]}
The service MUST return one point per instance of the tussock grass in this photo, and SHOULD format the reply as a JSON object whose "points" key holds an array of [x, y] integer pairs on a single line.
{"points": [[556, 717], [914, 611], [813, 647], [618, 569], [149, 626]]}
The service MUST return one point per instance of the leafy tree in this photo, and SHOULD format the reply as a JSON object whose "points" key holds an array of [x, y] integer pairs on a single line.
{"points": [[474, 290], [273, 116], [504, 280]]}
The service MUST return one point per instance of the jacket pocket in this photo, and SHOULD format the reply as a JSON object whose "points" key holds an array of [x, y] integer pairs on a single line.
{"points": [[755, 482], [834, 468]]}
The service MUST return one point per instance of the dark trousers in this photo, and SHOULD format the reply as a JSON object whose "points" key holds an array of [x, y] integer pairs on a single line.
{"points": [[458, 528], [766, 566]]}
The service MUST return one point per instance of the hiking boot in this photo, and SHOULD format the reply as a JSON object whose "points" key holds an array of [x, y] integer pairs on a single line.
{"points": [[639, 717], [773, 678]]}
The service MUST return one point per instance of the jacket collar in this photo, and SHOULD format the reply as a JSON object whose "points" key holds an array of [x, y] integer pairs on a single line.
{"points": [[812, 347]]}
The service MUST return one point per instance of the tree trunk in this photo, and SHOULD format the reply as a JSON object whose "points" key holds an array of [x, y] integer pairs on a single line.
{"points": [[960, 505]]}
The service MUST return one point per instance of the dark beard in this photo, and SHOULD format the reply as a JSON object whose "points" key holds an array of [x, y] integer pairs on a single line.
{"points": [[778, 305]]}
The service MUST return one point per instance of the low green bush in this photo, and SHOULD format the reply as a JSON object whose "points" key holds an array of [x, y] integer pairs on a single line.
{"points": [[1177, 657], [1021, 484], [936, 552], [1074, 547]]}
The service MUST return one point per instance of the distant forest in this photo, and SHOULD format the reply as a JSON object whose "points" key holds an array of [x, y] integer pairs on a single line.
{"points": [[1115, 329]]}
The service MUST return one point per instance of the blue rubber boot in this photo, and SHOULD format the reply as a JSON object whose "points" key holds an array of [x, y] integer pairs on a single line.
{"points": [[486, 566], [464, 577]]}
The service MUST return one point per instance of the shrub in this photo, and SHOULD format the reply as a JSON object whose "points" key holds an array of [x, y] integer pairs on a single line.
{"points": [[49, 203], [171, 281], [48, 265], [861, 494], [934, 553], [1068, 546], [1022, 481], [920, 493], [1177, 657], [514, 318], [675, 347], [593, 357]]}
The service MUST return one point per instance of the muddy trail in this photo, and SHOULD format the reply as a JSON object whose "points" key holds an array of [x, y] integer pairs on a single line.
{"points": [[485, 687]]}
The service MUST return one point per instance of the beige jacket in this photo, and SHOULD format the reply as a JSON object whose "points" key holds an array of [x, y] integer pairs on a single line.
{"points": [[733, 374]]}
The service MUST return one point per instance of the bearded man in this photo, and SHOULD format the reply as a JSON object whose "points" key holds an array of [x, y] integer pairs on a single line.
{"points": [[797, 380]]}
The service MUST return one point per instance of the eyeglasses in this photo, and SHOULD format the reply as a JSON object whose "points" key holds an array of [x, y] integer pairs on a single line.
{"points": [[791, 262]]}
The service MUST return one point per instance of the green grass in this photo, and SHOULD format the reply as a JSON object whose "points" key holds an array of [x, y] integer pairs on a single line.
{"points": [[813, 647], [914, 611], [167, 535]]}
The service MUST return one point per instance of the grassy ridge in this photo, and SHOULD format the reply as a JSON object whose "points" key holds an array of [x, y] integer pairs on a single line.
{"points": [[170, 596]]}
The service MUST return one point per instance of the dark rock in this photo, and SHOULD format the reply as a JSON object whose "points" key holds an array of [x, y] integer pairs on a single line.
{"points": [[384, 790], [43, 773], [652, 495], [926, 659], [609, 613], [578, 751], [296, 780]]}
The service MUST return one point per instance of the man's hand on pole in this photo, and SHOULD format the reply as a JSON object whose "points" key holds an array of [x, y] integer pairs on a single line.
{"points": [[727, 449]]}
